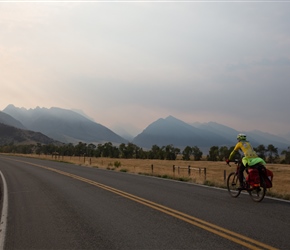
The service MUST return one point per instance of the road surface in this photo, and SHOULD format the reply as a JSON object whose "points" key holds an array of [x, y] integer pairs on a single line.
{"points": [[53, 205]]}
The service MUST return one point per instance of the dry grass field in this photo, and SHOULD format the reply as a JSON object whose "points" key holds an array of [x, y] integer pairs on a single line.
{"points": [[201, 172]]}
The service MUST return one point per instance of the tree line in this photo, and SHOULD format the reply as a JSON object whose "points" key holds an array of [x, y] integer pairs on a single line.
{"points": [[131, 151], [269, 154]]}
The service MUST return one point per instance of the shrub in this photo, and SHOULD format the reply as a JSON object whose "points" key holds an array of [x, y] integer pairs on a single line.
{"points": [[117, 164]]}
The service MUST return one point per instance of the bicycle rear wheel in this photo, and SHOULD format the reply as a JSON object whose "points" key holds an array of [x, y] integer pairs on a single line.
{"points": [[233, 184], [258, 193]]}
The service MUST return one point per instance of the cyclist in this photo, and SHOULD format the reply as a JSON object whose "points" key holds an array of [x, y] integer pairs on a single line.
{"points": [[250, 156]]}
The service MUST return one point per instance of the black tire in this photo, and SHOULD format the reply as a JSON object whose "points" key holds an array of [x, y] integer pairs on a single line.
{"points": [[258, 193], [233, 184]]}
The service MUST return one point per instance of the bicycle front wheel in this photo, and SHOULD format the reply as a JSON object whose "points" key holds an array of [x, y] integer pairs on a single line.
{"points": [[258, 193], [233, 185]]}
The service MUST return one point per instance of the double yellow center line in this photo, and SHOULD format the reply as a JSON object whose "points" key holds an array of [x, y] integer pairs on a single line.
{"points": [[222, 232]]}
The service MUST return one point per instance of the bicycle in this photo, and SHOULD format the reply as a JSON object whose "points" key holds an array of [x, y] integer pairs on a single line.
{"points": [[255, 184]]}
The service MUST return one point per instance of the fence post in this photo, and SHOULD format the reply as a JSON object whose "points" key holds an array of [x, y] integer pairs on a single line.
{"points": [[173, 169], [152, 168], [178, 170], [188, 170], [204, 173]]}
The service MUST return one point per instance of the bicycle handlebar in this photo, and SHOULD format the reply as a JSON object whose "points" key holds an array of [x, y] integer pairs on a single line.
{"points": [[236, 162]]}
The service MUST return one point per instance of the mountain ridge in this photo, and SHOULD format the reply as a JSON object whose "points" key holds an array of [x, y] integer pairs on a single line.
{"points": [[69, 126], [63, 125]]}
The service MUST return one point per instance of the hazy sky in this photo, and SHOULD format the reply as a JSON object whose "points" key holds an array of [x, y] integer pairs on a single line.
{"points": [[130, 63]]}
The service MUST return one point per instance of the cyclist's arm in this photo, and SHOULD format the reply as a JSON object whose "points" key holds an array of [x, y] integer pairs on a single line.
{"points": [[232, 155], [236, 149]]}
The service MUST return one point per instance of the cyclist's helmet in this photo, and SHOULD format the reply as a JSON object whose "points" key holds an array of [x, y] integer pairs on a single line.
{"points": [[241, 137]]}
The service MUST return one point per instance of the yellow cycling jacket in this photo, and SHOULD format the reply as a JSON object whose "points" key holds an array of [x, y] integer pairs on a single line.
{"points": [[250, 156]]}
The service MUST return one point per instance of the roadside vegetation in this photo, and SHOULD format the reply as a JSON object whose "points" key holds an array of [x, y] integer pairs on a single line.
{"points": [[189, 165]]}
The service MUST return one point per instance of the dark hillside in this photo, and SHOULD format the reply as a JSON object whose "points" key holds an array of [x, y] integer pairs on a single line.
{"points": [[9, 134]]}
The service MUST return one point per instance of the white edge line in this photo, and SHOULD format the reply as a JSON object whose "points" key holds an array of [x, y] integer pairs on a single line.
{"points": [[4, 214]]}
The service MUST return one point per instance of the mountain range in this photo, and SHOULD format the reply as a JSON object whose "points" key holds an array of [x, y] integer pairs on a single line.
{"points": [[63, 125], [69, 126]]}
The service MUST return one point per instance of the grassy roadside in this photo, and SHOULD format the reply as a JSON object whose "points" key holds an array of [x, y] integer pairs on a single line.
{"points": [[201, 172]]}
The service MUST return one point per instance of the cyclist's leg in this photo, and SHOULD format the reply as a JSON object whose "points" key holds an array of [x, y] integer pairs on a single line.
{"points": [[241, 174]]}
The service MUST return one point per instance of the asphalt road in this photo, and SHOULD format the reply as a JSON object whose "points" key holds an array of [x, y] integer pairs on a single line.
{"points": [[54, 205]]}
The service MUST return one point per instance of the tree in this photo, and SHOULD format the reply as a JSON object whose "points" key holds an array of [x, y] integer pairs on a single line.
{"points": [[38, 149], [131, 150], [213, 153], [171, 152], [223, 153], [197, 154], [91, 149], [25, 149], [141, 154], [49, 149], [156, 153], [68, 149], [123, 150], [186, 153], [261, 151], [286, 160], [108, 150], [99, 150], [128, 151], [80, 149], [273, 155]]}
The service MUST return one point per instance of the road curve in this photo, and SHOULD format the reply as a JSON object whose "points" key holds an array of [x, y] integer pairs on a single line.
{"points": [[54, 205]]}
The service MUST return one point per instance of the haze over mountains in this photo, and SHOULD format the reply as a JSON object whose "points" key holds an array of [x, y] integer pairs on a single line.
{"points": [[72, 127], [63, 125]]}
